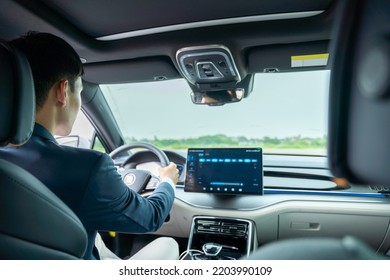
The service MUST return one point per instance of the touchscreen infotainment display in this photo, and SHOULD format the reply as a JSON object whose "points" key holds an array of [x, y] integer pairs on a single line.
{"points": [[224, 171]]}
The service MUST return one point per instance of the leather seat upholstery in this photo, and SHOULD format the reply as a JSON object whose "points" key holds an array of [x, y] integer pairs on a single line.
{"points": [[34, 222], [359, 107]]}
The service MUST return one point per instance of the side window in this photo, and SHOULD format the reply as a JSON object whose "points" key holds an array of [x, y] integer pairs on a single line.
{"points": [[84, 130], [97, 145], [82, 133]]}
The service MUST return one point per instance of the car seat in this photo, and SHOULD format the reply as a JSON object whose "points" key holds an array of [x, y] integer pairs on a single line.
{"points": [[34, 223], [359, 126]]}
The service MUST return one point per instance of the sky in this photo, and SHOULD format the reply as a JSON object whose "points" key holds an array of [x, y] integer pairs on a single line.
{"points": [[281, 105]]}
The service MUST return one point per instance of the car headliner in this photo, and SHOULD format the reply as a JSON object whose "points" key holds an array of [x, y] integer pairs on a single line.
{"points": [[126, 41]]}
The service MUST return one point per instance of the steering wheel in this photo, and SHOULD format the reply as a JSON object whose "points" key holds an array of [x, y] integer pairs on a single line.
{"points": [[137, 179]]}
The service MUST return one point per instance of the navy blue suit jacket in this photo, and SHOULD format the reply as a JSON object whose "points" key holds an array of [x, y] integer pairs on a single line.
{"points": [[88, 182]]}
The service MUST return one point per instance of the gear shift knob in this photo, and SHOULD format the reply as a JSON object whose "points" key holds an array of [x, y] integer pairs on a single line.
{"points": [[211, 249]]}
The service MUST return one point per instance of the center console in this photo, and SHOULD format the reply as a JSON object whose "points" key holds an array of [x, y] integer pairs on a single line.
{"points": [[220, 238]]}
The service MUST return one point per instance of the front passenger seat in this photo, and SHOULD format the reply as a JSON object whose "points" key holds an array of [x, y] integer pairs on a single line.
{"points": [[34, 222], [359, 111]]}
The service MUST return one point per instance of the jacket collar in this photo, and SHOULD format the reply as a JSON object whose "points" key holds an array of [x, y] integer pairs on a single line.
{"points": [[41, 131]]}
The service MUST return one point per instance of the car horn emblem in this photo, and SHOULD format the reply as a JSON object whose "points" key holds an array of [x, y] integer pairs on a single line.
{"points": [[129, 179]]}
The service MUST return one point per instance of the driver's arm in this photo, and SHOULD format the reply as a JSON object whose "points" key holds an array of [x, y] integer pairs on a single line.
{"points": [[110, 205]]}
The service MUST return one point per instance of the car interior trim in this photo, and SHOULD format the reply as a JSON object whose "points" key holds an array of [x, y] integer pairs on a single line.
{"points": [[254, 202], [337, 193], [266, 219], [208, 23]]}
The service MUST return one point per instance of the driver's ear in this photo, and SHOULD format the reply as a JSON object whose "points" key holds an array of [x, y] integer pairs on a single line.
{"points": [[62, 93]]}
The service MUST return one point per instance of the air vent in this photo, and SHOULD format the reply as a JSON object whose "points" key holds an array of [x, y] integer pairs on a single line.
{"points": [[236, 229], [209, 226], [380, 188], [222, 227]]}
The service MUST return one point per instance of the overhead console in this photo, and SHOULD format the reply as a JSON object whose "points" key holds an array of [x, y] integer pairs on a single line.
{"points": [[212, 75], [208, 67]]}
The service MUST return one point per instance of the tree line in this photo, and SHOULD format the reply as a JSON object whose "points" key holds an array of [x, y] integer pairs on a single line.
{"points": [[222, 140]]}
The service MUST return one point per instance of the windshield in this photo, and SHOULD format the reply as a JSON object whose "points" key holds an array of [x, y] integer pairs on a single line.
{"points": [[285, 114]]}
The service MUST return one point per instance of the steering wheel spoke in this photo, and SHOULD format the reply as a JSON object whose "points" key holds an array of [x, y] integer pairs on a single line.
{"points": [[153, 182], [137, 179]]}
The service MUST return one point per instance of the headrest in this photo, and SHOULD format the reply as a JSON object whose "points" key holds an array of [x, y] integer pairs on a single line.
{"points": [[17, 97], [359, 105]]}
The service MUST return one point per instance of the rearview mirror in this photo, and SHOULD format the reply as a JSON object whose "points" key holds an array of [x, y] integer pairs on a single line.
{"points": [[217, 98]]}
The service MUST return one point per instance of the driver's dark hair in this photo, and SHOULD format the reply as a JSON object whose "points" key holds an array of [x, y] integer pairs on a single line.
{"points": [[51, 59]]}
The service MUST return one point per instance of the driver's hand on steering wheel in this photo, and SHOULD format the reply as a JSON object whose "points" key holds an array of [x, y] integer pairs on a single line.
{"points": [[169, 171]]}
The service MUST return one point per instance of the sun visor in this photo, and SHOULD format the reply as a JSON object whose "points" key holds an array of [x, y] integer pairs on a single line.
{"points": [[136, 70], [289, 57], [359, 116]]}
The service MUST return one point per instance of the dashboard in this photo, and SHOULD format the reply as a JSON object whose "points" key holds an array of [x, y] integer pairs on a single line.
{"points": [[301, 199]]}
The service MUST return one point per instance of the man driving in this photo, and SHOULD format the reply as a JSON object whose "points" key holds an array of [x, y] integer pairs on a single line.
{"points": [[86, 180]]}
